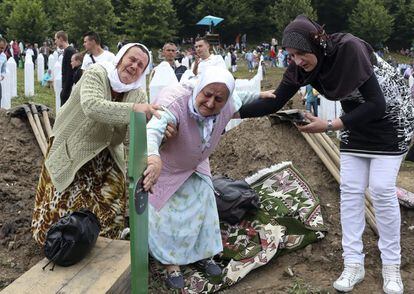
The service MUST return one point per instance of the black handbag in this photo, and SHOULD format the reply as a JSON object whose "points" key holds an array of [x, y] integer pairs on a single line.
{"points": [[71, 238], [234, 199]]}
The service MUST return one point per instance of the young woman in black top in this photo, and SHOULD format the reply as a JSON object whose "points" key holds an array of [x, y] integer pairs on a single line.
{"points": [[376, 128]]}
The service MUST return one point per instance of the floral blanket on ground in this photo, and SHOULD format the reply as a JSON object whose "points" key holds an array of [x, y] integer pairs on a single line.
{"points": [[289, 218]]}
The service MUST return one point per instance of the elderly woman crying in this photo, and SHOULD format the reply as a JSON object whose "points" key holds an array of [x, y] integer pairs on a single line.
{"points": [[183, 219], [85, 164]]}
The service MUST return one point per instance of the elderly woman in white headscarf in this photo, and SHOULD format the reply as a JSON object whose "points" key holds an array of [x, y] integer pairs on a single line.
{"points": [[85, 165], [183, 218]]}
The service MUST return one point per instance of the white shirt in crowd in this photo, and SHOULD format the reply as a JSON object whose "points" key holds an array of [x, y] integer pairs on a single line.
{"points": [[212, 60], [106, 56]]}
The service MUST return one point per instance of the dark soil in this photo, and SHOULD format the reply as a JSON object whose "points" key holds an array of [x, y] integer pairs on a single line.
{"points": [[20, 161], [254, 145]]}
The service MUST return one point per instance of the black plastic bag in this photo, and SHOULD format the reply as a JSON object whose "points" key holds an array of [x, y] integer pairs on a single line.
{"points": [[234, 199], [71, 238]]}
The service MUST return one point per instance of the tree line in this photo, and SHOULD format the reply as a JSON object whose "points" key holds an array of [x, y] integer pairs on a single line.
{"points": [[380, 22]]}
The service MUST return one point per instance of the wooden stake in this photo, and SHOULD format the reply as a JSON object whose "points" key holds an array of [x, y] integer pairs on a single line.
{"points": [[38, 123], [331, 160], [35, 130]]}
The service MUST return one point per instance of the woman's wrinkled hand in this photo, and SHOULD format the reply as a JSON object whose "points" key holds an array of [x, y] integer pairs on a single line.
{"points": [[267, 94], [152, 172], [315, 125], [148, 109]]}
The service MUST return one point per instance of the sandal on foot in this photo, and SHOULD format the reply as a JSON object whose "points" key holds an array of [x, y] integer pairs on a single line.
{"points": [[209, 267], [175, 280]]}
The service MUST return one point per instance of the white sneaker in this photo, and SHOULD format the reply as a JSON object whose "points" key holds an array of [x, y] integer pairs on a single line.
{"points": [[353, 273], [392, 279]]}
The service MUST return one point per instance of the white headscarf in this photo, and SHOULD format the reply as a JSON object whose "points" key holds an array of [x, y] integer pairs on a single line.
{"points": [[112, 71], [212, 74]]}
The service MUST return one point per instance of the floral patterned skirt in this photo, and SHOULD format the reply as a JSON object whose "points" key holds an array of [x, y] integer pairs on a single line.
{"points": [[98, 186]]}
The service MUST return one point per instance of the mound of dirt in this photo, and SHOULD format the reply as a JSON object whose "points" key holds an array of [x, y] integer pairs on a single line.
{"points": [[256, 144], [20, 161], [253, 145]]}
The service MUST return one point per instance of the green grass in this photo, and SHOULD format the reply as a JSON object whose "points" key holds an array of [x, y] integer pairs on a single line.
{"points": [[399, 58], [43, 95]]}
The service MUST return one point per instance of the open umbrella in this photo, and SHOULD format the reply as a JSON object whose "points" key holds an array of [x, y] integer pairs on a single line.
{"points": [[210, 20]]}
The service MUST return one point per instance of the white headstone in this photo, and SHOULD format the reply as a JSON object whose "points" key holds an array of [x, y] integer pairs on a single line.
{"points": [[51, 64], [28, 76], [57, 82], [186, 62], [5, 92], [40, 67], [186, 75], [164, 76], [12, 71], [227, 60], [329, 109], [259, 74]]}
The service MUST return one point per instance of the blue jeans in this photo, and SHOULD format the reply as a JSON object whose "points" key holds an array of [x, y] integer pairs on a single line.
{"points": [[313, 105], [249, 65]]}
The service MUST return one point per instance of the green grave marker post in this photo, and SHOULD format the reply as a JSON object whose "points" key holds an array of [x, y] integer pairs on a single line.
{"points": [[138, 203]]}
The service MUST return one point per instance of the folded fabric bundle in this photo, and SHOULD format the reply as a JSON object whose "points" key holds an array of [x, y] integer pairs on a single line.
{"points": [[405, 198]]}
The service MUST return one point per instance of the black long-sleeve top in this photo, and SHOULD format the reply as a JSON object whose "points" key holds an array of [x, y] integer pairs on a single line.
{"points": [[367, 127]]}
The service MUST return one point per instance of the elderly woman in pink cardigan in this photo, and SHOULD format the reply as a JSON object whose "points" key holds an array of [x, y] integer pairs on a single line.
{"points": [[183, 219]]}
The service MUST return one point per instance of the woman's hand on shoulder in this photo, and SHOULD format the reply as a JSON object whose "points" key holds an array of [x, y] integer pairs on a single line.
{"points": [[148, 109], [152, 172]]}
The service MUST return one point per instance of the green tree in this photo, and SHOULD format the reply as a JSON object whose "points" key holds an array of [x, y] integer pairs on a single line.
{"points": [[403, 13], [53, 10], [371, 21], [120, 7], [284, 11], [187, 20], [334, 13], [152, 22], [27, 21], [81, 16]]}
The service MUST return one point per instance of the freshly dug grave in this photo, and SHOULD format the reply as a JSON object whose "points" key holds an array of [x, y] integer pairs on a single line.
{"points": [[256, 144], [20, 161], [253, 145]]}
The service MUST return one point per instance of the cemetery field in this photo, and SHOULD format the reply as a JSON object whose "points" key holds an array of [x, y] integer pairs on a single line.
{"points": [[253, 145]]}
